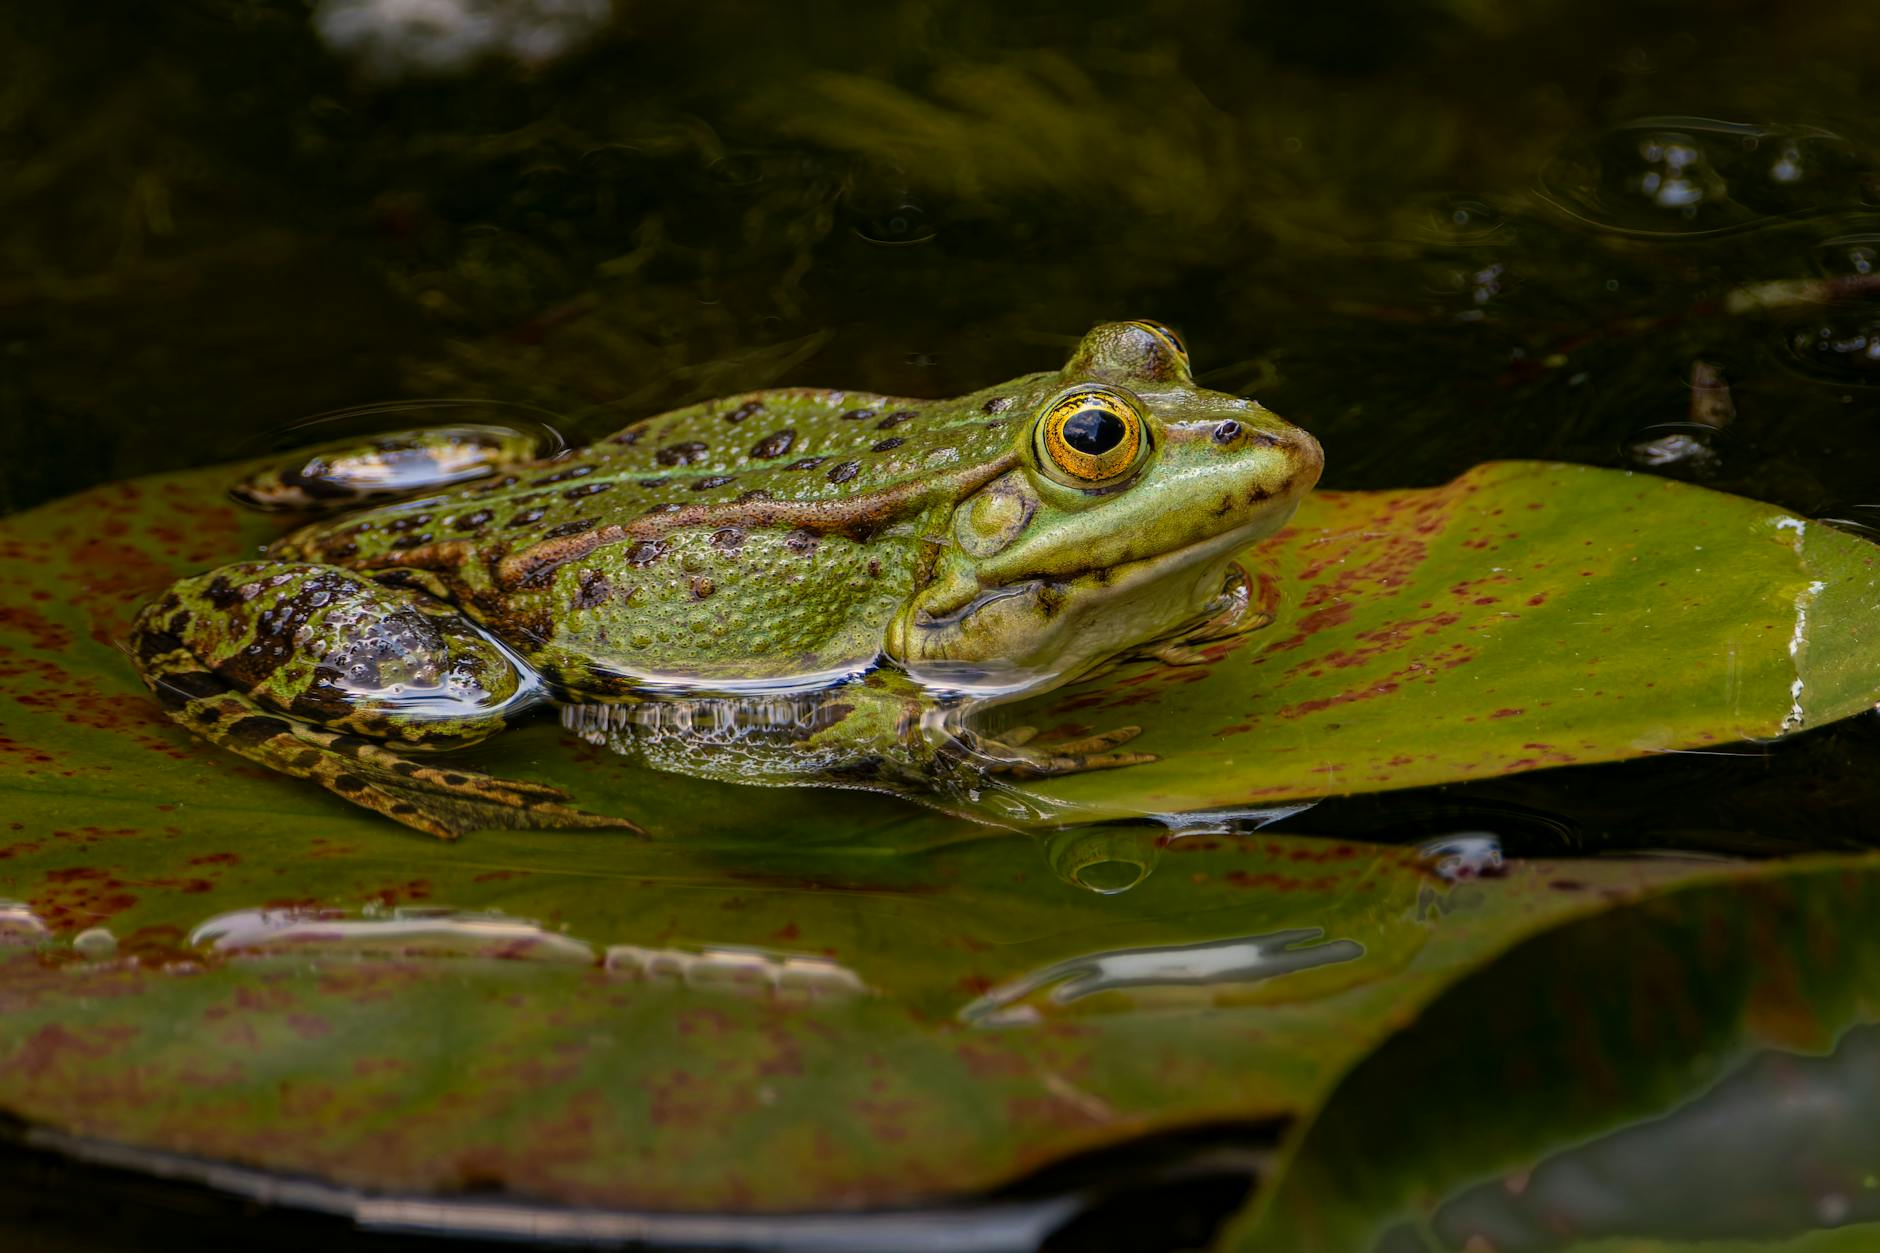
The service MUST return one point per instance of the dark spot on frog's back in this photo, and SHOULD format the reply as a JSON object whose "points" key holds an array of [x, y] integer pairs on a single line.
{"points": [[685, 454], [527, 517], [801, 542], [645, 552], [774, 444], [586, 489], [1226, 432], [745, 410], [858, 415], [884, 445], [222, 594], [473, 521], [998, 404], [728, 538], [844, 471], [575, 527], [806, 463], [593, 590], [712, 480], [896, 418]]}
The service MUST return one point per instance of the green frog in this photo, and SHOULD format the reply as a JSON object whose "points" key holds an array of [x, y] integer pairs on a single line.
{"points": [[790, 586]]}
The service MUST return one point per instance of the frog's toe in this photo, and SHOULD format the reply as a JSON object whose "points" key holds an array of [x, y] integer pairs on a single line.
{"points": [[448, 803], [1028, 760], [1091, 744]]}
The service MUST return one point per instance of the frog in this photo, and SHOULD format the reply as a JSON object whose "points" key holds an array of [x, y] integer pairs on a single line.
{"points": [[790, 586]]}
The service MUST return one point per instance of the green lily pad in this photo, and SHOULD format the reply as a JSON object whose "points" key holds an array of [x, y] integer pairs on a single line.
{"points": [[653, 1025], [1526, 615], [204, 958], [1702, 1036]]}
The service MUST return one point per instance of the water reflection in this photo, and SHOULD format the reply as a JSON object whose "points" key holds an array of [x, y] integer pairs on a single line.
{"points": [[1465, 855], [408, 932], [1693, 176], [1113, 857], [19, 925], [403, 932], [391, 39], [741, 970], [1244, 959]]}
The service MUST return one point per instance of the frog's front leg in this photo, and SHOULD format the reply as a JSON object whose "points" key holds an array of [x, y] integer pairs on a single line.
{"points": [[946, 744], [318, 673]]}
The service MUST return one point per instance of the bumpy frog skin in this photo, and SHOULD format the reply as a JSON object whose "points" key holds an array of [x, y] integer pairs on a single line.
{"points": [[790, 586]]}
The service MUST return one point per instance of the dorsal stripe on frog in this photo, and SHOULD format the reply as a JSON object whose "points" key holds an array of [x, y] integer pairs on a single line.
{"points": [[853, 516]]}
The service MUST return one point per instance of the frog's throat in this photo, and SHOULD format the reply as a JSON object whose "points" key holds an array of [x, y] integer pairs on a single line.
{"points": [[857, 517]]}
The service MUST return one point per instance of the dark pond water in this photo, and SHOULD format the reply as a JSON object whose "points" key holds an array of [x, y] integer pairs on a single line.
{"points": [[1433, 233]]}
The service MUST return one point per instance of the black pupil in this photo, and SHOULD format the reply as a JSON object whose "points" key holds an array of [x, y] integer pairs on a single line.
{"points": [[1093, 431]]}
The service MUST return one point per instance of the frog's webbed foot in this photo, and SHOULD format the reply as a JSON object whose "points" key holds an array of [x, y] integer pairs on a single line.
{"points": [[399, 463], [1178, 653], [393, 668], [1246, 604], [1016, 753], [440, 801]]}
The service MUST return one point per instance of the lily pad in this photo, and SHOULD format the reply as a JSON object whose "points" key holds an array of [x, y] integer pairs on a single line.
{"points": [[1711, 1036], [207, 959], [1526, 615], [655, 1026]]}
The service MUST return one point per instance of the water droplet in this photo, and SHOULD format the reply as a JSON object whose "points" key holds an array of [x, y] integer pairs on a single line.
{"points": [[95, 943]]}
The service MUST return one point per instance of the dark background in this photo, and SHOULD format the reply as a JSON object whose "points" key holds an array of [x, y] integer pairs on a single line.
{"points": [[1435, 232]]}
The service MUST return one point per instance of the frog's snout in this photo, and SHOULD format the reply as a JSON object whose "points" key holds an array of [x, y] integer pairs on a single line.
{"points": [[1269, 454]]}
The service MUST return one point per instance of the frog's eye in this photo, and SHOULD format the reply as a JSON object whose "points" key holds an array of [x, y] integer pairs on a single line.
{"points": [[1091, 437], [1170, 339]]}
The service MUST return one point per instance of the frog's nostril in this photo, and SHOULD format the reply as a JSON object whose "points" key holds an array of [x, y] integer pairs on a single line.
{"points": [[1227, 432]]}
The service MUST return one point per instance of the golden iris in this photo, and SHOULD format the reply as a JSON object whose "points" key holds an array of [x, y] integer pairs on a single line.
{"points": [[1092, 436]]}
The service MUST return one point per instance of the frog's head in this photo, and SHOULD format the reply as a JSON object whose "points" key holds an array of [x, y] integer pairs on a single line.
{"points": [[1132, 492]]}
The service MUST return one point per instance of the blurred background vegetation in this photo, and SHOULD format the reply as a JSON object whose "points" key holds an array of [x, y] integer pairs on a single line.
{"points": [[1426, 229]]}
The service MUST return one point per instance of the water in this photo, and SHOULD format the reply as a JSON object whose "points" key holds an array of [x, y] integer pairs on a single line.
{"points": [[1433, 234]]}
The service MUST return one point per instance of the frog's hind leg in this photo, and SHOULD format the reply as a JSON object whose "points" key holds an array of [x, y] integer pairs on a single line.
{"points": [[231, 656]]}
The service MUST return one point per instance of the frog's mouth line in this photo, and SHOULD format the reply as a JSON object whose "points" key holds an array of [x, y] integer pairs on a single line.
{"points": [[1120, 575]]}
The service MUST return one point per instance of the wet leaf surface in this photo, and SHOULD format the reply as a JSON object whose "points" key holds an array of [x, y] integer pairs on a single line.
{"points": [[1526, 615], [203, 958], [1688, 1068]]}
